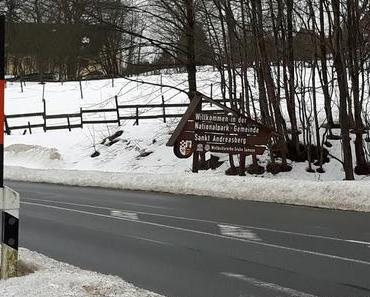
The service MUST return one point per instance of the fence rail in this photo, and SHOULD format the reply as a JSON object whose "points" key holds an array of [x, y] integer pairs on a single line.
{"points": [[139, 112]]}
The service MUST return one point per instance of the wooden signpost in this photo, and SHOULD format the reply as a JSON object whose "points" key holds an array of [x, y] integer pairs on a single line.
{"points": [[225, 131]]}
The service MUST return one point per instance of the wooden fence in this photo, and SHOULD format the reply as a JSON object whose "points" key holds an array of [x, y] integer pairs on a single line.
{"points": [[138, 113]]}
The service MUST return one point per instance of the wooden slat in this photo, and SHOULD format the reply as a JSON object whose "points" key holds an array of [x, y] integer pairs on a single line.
{"points": [[25, 115], [89, 122], [26, 127], [63, 127], [61, 116], [99, 110], [143, 117], [153, 105]]}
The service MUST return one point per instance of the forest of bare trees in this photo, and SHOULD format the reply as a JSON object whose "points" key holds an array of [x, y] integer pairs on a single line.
{"points": [[307, 59]]}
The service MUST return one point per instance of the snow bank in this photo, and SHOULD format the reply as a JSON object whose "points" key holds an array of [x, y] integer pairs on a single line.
{"points": [[19, 154], [345, 195], [57, 279]]}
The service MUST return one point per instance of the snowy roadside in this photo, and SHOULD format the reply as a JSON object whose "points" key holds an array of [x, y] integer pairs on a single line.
{"points": [[138, 159], [54, 279], [349, 195]]}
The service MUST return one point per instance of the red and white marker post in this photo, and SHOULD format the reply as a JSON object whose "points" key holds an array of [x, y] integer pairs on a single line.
{"points": [[9, 199], [2, 95]]}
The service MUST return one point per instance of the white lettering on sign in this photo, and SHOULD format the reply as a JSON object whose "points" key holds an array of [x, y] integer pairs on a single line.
{"points": [[232, 149], [229, 119], [227, 139], [247, 130], [202, 138], [226, 128], [211, 118], [212, 127], [225, 123]]}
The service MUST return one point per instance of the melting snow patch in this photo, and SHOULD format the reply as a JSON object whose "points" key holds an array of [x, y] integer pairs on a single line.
{"points": [[51, 153], [124, 214], [239, 232], [32, 155]]}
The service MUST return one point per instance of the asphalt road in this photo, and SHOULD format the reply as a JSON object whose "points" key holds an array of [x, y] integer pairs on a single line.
{"points": [[199, 247]]}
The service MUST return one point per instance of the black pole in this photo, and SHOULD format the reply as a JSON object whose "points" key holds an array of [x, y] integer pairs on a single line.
{"points": [[2, 90], [2, 93]]}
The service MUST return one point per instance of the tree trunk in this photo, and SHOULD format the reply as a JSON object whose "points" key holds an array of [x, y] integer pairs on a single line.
{"points": [[290, 59], [354, 68], [343, 91], [324, 69], [191, 66]]}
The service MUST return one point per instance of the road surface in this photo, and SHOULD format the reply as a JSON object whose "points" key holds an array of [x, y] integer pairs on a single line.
{"points": [[184, 246]]}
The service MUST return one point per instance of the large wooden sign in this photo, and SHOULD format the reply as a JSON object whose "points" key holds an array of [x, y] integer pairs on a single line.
{"points": [[224, 131]]}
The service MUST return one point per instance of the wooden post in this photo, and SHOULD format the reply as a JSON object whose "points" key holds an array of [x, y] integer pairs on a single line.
{"points": [[7, 128], [211, 96], [195, 168], [196, 153], [81, 91], [69, 124], [29, 127], [255, 162], [202, 164], [82, 122], [44, 116], [43, 90], [21, 86], [164, 109], [137, 116], [242, 165], [117, 110], [161, 83]]}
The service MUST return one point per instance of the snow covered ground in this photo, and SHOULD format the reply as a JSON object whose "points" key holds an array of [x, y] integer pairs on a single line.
{"points": [[52, 278], [354, 195], [139, 160]]}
